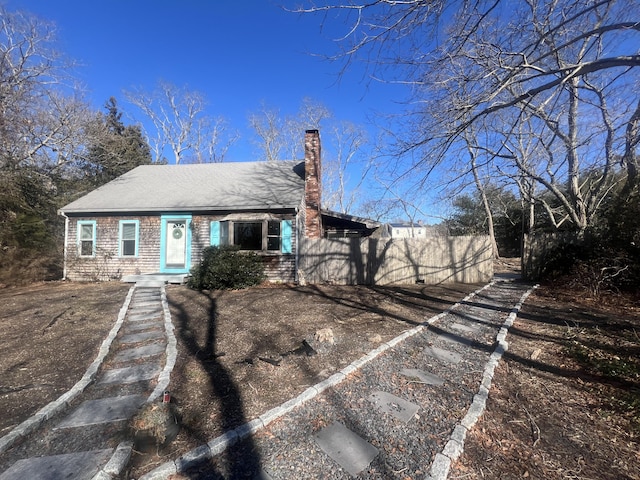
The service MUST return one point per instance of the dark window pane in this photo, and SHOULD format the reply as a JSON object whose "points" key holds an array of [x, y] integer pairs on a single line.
{"points": [[273, 243], [128, 247], [274, 228], [224, 233], [86, 247], [86, 232], [248, 235]]}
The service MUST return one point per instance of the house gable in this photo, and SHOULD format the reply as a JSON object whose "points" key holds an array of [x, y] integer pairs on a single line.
{"points": [[202, 187], [160, 218]]}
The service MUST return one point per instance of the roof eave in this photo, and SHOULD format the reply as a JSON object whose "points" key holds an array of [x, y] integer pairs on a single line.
{"points": [[156, 211]]}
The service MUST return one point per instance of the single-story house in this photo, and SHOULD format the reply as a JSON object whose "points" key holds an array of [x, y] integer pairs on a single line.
{"points": [[159, 218], [411, 230]]}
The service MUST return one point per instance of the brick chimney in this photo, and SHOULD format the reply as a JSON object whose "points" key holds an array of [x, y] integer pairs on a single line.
{"points": [[312, 175]]}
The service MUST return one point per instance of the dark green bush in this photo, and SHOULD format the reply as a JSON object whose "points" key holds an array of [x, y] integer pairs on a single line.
{"points": [[606, 257], [593, 264], [227, 268]]}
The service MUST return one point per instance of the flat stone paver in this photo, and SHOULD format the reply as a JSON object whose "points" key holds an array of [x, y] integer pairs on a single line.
{"points": [[443, 355], [135, 311], [142, 325], [146, 298], [398, 407], [485, 304], [263, 475], [455, 338], [104, 410], [145, 303], [462, 327], [148, 293], [136, 373], [139, 352], [142, 337], [140, 317], [346, 448], [151, 283], [478, 319], [422, 376], [76, 466]]}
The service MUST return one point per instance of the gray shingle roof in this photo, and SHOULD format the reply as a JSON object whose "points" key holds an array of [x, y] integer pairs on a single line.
{"points": [[201, 187]]}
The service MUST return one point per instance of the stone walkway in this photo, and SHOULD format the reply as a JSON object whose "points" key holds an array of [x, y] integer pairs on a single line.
{"points": [[73, 437], [467, 341], [368, 406]]}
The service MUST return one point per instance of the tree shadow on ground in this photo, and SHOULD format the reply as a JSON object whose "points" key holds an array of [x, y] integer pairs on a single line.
{"points": [[240, 460], [414, 298], [604, 348]]}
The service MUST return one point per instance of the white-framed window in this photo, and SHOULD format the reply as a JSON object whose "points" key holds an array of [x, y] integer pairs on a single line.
{"points": [[256, 235], [128, 236], [86, 238]]}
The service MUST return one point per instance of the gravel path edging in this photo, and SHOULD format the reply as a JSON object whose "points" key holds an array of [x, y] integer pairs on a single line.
{"points": [[219, 444], [58, 405], [120, 458], [171, 350], [455, 446]]}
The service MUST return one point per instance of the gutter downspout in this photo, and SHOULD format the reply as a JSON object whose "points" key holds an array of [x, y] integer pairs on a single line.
{"points": [[295, 273], [66, 237]]}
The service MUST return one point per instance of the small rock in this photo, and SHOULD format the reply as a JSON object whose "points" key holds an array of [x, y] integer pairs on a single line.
{"points": [[325, 335], [302, 279], [375, 338]]}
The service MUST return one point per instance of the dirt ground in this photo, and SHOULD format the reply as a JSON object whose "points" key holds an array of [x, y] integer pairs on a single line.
{"points": [[49, 334], [565, 401]]}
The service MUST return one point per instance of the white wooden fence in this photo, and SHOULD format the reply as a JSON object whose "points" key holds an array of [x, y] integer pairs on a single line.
{"points": [[381, 261]]}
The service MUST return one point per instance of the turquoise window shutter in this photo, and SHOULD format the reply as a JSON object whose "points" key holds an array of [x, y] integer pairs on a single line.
{"points": [[215, 233], [285, 232]]}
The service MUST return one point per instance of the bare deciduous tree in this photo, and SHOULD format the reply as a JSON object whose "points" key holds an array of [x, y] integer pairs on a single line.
{"points": [[348, 141], [40, 126], [181, 125], [567, 70], [483, 196], [270, 131], [281, 138]]}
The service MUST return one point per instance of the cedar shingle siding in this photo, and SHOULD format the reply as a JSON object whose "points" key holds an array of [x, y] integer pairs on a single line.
{"points": [[107, 264]]}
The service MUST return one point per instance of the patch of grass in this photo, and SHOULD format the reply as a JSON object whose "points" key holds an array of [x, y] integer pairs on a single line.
{"points": [[629, 403], [599, 362]]}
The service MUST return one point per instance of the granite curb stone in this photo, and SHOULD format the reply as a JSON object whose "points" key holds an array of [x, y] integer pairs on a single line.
{"points": [[171, 351], [116, 463], [454, 448]]}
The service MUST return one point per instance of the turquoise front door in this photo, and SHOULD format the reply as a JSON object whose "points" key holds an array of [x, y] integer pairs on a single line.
{"points": [[175, 244]]}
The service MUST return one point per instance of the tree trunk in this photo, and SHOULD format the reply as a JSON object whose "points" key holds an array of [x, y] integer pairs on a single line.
{"points": [[487, 209]]}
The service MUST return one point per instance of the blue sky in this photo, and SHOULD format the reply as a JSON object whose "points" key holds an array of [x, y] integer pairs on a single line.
{"points": [[238, 53]]}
